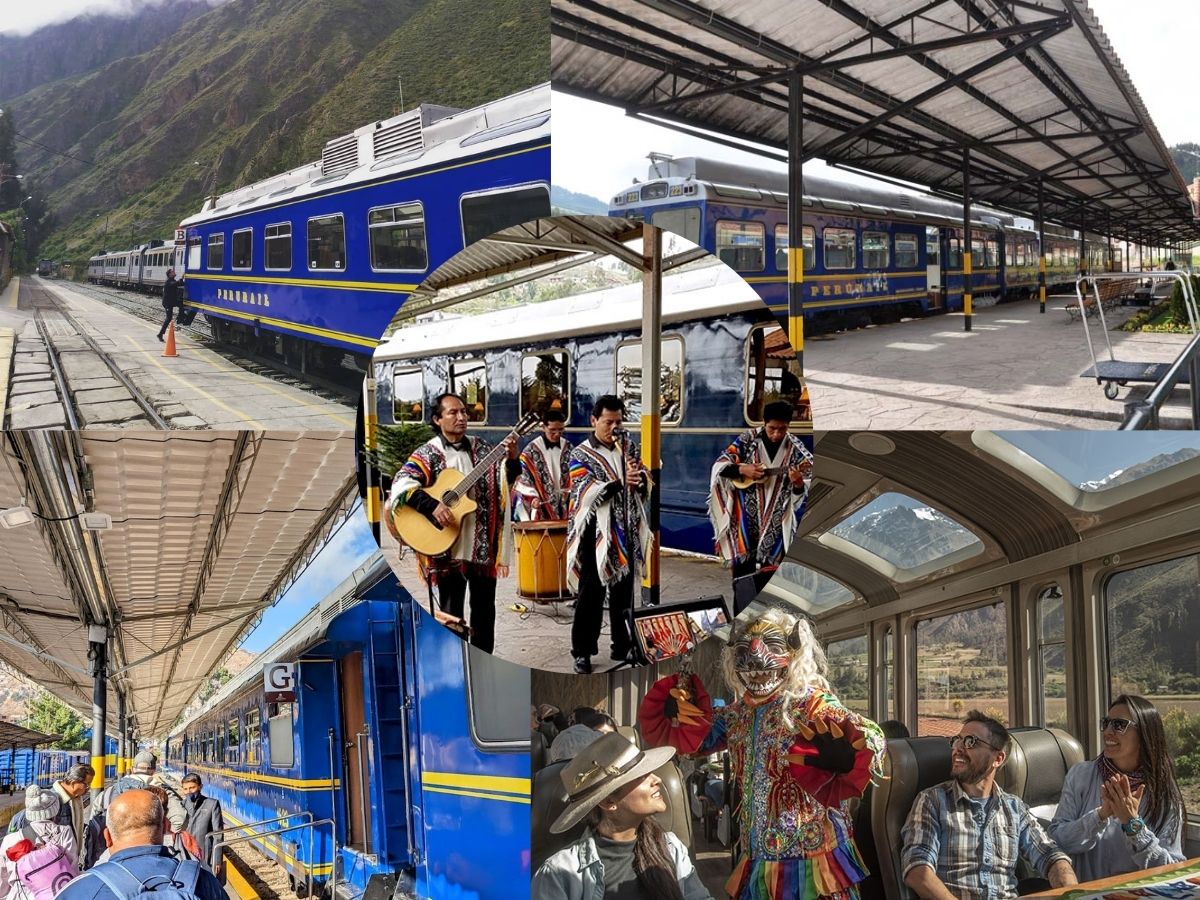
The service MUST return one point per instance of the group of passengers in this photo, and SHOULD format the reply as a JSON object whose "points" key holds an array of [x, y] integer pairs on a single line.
{"points": [[138, 835], [964, 838]]}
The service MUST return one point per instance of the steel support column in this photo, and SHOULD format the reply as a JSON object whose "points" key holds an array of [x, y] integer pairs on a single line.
{"points": [[796, 216], [122, 747], [966, 242], [1041, 224], [652, 400], [1084, 268], [98, 656]]}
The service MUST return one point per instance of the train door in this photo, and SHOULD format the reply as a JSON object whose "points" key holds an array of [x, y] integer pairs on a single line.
{"points": [[356, 750], [933, 267]]}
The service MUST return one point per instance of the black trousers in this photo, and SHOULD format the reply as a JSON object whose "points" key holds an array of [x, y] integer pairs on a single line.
{"points": [[452, 598], [748, 581], [589, 608], [170, 311]]}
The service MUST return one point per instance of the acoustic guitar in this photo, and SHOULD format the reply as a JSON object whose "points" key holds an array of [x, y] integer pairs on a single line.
{"points": [[741, 482], [452, 488]]}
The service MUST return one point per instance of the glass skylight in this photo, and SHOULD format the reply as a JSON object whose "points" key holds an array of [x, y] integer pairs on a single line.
{"points": [[907, 533], [1097, 461], [808, 589]]}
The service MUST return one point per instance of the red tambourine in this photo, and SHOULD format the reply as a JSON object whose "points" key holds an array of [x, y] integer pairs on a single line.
{"points": [[688, 728]]}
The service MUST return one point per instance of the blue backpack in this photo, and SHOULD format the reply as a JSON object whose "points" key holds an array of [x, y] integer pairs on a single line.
{"points": [[180, 886]]}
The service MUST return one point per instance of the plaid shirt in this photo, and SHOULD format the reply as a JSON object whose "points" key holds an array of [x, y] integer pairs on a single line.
{"points": [[973, 844]]}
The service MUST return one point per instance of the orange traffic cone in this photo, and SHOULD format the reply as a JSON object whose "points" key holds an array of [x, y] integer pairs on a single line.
{"points": [[169, 350]]}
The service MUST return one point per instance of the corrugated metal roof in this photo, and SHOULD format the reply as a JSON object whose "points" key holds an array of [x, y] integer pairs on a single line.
{"points": [[956, 74]]}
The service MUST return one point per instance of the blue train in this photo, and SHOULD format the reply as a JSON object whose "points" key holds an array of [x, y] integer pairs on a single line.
{"points": [[871, 253], [723, 358], [413, 743], [19, 767]]}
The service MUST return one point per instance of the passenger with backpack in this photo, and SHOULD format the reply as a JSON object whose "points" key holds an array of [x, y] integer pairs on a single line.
{"points": [[139, 867], [145, 772], [41, 858]]}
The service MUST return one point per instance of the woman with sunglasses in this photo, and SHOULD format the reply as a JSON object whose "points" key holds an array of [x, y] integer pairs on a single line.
{"points": [[1123, 811]]}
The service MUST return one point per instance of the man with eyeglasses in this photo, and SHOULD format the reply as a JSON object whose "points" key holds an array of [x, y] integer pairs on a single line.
{"points": [[964, 837]]}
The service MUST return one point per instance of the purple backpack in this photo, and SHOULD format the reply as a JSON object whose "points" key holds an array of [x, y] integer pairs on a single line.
{"points": [[45, 870]]}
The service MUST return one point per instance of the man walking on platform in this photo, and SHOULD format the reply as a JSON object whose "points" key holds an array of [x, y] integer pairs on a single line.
{"points": [[205, 822], [171, 300]]}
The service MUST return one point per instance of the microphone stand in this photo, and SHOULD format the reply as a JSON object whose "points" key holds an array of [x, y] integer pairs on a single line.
{"points": [[634, 655]]}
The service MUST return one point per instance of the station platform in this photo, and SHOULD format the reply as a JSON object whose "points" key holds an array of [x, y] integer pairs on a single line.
{"points": [[197, 389], [1016, 369]]}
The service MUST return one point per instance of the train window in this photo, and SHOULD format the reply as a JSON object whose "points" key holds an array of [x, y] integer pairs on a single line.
{"points": [[253, 735], [327, 243], [408, 395], [1052, 646], [808, 590], [684, 222], [962, 664], [772, 373], [875, 249], [233, 740], [848, 672], [906, 251], [889, 675], [546, 382], [243, 240], [1018, 254], [1009, 257], [278, 240], [839, 248], [932, 248], [954, 254], [485, 214], [468, 379], [216, 251], [498, 701], [629, 379], [978, 258], [279, 735], [1153, 617], [398, 238], [991, 253], [655, 190], [808, 238], [740, 245]]}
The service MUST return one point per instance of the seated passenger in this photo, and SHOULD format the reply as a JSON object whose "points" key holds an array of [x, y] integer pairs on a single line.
{"points": [[963, 837], [623, 852], [1122, 811]]}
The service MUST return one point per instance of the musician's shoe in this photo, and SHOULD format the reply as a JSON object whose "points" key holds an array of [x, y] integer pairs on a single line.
{"points": [[620, 655], [583, 665]]}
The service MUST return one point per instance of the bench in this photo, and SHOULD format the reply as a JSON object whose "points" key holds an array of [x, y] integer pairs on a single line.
{"points": [[1112, 293]]}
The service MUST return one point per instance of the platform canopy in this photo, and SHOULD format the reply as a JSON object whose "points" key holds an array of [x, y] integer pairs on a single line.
{"points": [[14, 735], [207, 530], [899, 89]]}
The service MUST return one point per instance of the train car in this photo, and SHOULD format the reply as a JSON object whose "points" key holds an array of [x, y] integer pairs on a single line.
{"points": [[723, 358], [50, 765], [311, 265], [155, 258], [406, 746]]}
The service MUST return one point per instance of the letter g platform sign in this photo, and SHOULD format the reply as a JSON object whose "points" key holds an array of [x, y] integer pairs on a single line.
{"points": [[279, 682]]}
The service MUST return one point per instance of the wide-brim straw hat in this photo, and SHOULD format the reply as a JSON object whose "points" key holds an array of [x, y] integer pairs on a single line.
{"points": [[601, 768]]}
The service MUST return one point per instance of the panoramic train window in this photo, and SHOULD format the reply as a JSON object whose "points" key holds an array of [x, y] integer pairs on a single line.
{"points": [[279, 246], [772, 373], [808, 239], [906, 251], [468, 379], [243, 240], [808, 590], [1052, 656], [485, 214], [889, 675], [216, 251], [848, 672], [546, 382], [498, 701], [875, 249], [839, 248], [408, 395], [962, 664], [629, 379], [1153, 618], [398, 238], [279, 735], [740, 245], [253, 735], [327, 243], [683, 222]]}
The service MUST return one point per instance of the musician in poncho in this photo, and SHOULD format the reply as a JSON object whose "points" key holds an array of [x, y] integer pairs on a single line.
{"points": [[542, 487], [754, 525], [480, 552], [607, 533]]}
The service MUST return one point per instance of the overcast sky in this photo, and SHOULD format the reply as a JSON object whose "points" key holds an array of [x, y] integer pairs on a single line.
{"points": [[26, 17]]}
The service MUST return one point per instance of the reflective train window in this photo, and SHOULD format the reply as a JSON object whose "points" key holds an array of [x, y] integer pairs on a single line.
{"points": [[839, 248], [216, 251], [932, 248], [193, 254], [629, 379], [875, 249], [848, 672], [279, 735], [233, 740], [954, 255], [546, 382], [485, 214], [1153, 629], [906, 251], [772, 372], [408, 395], [1052, 657], [962, 664], [398, 238], [808, 238], [468, 379], [499, 700], [278, 240], [741, 245], [327, 243], [889, 675], [253, 735], [243, 241]]}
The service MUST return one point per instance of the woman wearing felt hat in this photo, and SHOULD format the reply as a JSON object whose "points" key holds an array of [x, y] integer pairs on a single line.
{"points": [[623, 852]]}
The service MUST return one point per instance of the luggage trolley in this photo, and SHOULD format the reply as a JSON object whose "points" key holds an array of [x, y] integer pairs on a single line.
{"points": [[1112, 372]]}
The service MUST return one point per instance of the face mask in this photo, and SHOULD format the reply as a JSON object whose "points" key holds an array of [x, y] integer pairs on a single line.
{"points": [[761, 657]]}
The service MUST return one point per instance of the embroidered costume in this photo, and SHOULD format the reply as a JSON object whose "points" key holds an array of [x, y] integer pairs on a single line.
{"points": [[542, 489]]}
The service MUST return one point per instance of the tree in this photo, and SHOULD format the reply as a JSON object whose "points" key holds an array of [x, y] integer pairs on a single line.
{"points": [[50, 715], [215, 682]]}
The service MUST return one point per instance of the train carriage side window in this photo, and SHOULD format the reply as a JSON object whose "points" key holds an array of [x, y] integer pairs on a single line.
{"points": [[875, 249], [398, 238], [962, 664], [848, 672], [408, 395], [468, 379], [233, 740], [216, 251], [742, 245], [1152, 621], [242, 244], [808, 240], [497, 701], [1019, 254], [1052, 657], [546, 382], [278, 240], [978, 258], [839, 247], [327, 243], [906, 251], [772, 373], [280, 749], [954, 255], [485, 214], [932, 246], [629, 379], [889, 675], [991, 252], [253, 735]]}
